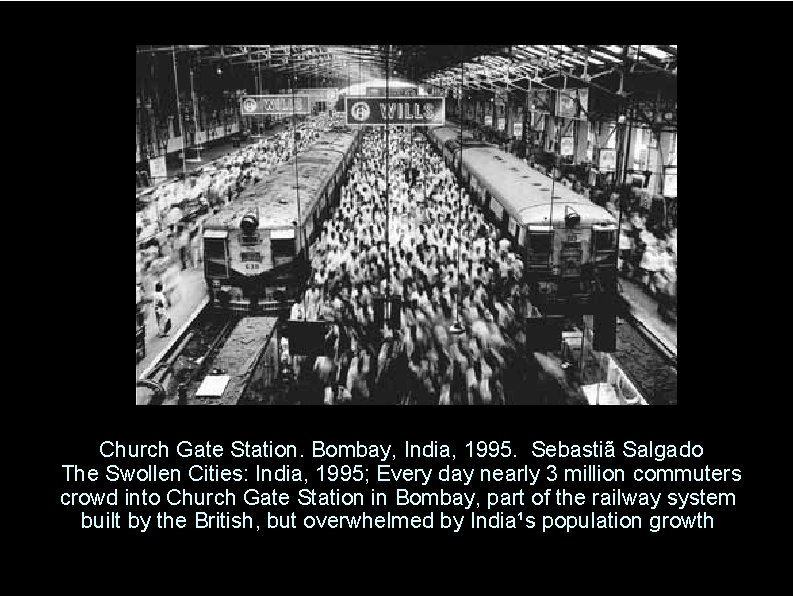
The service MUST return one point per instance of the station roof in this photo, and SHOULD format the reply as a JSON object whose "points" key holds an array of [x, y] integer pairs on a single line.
{"points": [[614, 69]]}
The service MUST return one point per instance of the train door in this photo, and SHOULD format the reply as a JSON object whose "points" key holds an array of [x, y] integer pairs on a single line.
{"points": [[282, 246], [570, 259], [466, 180], [603, 245], [216, 263], [513, 231], [520, 236], [539, 242], [315, 224]]}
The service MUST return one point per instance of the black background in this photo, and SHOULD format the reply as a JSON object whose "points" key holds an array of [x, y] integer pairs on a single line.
{"points": [[70, 377]]}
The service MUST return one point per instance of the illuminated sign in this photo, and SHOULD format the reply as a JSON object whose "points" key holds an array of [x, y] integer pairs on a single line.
{"points": [[376, 111], [275, 104]]}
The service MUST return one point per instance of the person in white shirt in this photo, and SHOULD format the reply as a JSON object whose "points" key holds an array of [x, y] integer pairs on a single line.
{"points": [[298, 313]]}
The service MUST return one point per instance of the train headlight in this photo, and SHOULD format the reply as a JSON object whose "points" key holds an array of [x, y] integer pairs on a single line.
{"points": [[249, 224], [571, 218]]}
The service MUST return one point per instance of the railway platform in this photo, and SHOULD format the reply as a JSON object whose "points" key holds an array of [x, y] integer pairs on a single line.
{"points": [[188, 295], [645, 309], [174, 165]]}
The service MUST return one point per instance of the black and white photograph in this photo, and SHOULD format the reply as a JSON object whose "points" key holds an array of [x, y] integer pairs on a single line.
{"points": [[406, 224]]}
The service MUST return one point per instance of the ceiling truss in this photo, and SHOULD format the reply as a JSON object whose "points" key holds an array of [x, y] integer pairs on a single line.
{"points": [[483, 68]]}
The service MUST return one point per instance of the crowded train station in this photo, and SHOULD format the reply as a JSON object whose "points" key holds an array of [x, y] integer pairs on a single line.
{"points": [[437, 225]]}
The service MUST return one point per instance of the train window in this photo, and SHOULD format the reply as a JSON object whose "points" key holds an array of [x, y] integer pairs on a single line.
{"points": [[282, 248], [603, 239], [214, 248], [540, 242], [215, 257]]}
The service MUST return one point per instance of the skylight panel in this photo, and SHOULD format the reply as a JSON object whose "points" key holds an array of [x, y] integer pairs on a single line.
{"points": [[655, 52]]}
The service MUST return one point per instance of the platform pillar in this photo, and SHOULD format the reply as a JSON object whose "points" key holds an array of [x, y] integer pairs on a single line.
{"points": [[581, 132]]}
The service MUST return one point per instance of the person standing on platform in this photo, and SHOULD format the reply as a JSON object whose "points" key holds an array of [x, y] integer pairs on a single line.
{"points": [[182, 243], [195, 246], [160, 302]]}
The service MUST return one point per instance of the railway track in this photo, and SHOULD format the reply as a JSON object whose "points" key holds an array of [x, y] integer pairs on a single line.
{"points": [[189, 356], [646, 359]]}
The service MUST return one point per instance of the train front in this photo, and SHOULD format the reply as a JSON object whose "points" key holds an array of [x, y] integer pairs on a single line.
{"points": [[249, 267], [574, 260]]}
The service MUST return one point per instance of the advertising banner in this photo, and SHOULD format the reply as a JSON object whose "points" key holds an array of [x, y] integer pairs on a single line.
{"points": [[540, 100], [567, 145], [670, 184], [608, 160], [275, 104], [567, 106], [157, 167], [488, 120], [502, 124], [376, 111], [517, 130]]}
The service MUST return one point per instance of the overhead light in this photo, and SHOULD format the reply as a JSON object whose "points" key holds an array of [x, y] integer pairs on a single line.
{"points": [[219, 70]]}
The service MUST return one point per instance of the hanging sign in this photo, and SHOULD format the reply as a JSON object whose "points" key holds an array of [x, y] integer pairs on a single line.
{"points": [[539, 100], [502, 124], [320, 94], [275, 104], [670, 184], [566, 148], [392, 91], [488, 120], [608, 159], [517, 130], [376, 111], [157, 167], [567, 101]]}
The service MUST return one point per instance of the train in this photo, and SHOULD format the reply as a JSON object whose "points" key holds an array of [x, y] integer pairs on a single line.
{"points": [[568, 244], [255, 248]]}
